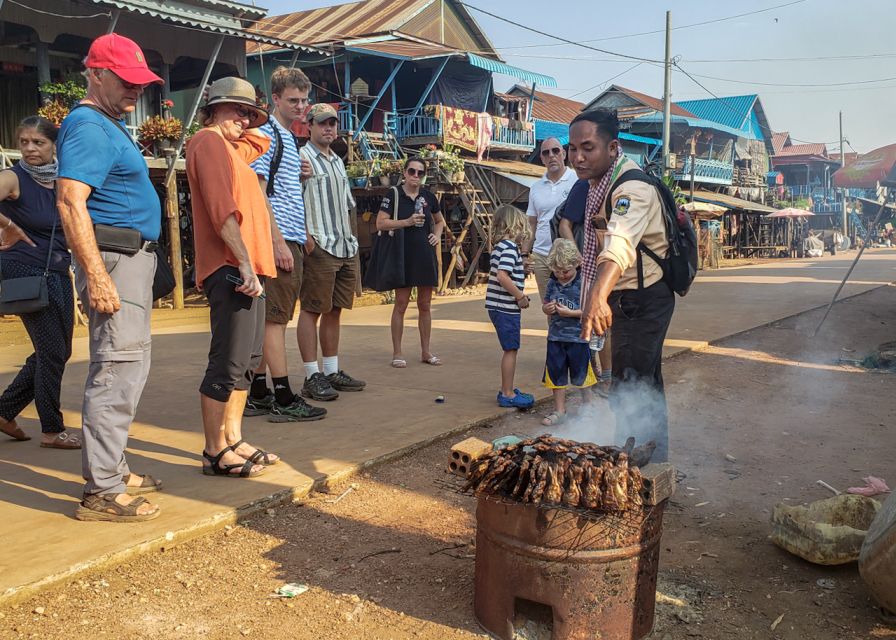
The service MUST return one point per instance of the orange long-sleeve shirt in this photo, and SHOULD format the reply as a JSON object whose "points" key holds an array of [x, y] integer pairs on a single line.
{"points": [[223, 184]]}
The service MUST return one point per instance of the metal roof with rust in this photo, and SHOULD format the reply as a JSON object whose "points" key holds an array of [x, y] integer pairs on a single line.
{"points": [[811, 149], [365, 19], [547, 106]]}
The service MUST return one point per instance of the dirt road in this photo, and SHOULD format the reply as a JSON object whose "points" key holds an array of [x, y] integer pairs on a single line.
{"points": [[393, 558]]}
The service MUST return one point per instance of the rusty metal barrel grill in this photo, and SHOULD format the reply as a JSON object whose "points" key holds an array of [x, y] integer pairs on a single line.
{"points": [[595, 576]]}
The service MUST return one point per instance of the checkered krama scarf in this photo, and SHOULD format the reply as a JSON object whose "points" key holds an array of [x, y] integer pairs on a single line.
{"points": [[597, 195]]}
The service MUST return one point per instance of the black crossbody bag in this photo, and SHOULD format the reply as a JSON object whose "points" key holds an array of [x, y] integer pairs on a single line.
{"points": [[28, 294]]}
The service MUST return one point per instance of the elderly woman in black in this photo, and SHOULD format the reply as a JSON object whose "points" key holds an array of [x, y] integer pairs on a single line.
{"points": [[31, 238], [419, 215]]}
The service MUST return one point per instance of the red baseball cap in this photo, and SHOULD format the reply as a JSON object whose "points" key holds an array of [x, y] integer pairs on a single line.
{"points": [[123, 57]]}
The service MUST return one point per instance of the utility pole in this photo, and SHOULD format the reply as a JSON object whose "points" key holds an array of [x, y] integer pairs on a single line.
{"points": [[667, 95], [845, 223]]}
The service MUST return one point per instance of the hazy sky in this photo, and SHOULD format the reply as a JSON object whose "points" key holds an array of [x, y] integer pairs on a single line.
{"points": [[739, 49]]}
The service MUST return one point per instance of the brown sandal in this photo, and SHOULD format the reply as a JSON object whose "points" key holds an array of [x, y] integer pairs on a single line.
{"points": [[65, 440], [147, 485], [14, 431], [97, 507]]}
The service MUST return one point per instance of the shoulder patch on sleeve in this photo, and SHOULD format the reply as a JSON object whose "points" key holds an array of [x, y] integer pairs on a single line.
{"points": [[621, 206]]}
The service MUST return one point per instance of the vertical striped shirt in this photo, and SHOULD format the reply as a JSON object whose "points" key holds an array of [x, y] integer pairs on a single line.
{"points": [[505, 257], [286, 201], [328, 200]]}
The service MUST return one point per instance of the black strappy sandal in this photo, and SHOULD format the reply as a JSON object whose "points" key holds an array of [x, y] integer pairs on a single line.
{"points": [[259, 457], [215, 467]]}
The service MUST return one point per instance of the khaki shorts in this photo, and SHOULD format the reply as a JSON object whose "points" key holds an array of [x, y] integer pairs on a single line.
{"points": [[282, 292], [328, 282]]}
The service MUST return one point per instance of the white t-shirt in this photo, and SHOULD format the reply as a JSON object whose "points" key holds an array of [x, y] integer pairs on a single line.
{"points": [[544, 198]]}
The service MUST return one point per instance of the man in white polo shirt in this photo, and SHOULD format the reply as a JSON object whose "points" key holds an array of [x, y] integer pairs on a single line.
{"points": [[544, 198]]}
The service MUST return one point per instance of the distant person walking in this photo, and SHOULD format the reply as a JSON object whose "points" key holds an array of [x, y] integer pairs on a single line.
{"points": [[234, 254], [331, 271], [544, 198], [112, 219], [420, 219], [32, 243], [279, 173]]}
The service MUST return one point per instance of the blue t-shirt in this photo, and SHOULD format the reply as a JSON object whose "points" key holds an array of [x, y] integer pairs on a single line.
{"points": [[574, 209], [562, 328], [94, 150]]}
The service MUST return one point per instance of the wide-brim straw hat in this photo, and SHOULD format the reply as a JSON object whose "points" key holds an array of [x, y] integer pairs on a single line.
{"points": [[237, 91]]}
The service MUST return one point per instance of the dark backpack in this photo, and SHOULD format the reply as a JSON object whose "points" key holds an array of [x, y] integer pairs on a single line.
{"points": [[278, 156], [680, 263]]}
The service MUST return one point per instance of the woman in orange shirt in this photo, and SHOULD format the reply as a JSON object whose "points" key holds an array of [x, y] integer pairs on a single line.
{"points": [[234, 254]]}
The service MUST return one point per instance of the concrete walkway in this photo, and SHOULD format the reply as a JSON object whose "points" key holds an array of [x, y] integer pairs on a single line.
{"points": [[39, 488]]}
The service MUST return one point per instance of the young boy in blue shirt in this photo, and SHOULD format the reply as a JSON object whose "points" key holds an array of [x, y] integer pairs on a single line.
{"points": [[568, 361]]}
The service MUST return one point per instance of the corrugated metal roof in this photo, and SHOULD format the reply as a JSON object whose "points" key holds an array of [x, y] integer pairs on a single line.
{"points": [[779, 141], [499, 67], [549, 107], [731, 111], [698, 123], [654, 103], [402, 49], [199, 14], [812, 149]]}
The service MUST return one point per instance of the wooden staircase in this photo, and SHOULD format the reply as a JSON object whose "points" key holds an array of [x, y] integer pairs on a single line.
{"points": [[480, 201], [378, 146]]}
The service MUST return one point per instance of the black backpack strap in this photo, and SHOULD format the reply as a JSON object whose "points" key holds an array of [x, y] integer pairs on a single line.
{"points": [[631, 174], [275, 162]]}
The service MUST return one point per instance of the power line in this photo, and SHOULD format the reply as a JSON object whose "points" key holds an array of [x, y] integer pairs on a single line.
{"points": [[775, 84], [563, 40], [601, 84], [647, 33], [873, 56]]}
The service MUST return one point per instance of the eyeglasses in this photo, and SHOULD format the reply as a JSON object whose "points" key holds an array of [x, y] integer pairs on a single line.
{"points": [[295, 102], [415, 172], [555, 151]]}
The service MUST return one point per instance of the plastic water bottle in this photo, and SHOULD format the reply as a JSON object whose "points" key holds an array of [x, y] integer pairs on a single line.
{"points": [[419, 203], [597, 342]]}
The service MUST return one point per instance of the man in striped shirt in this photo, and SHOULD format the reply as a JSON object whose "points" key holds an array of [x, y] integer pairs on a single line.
{"points": [[331, 269], [279, 174]]}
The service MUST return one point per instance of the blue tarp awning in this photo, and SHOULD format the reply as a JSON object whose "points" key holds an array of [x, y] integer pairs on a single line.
{"points": [[499, 67]]}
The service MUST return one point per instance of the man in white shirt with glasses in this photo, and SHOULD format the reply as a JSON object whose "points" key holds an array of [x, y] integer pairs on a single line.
{"points": [[544, 198]]}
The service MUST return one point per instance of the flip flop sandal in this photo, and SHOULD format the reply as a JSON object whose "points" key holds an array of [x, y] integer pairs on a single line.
{"points": [[103, 508], [553, 418], [14, 431], [147, 485], [434, 360], [259, 457], [399, 363], [215, 467], [64, 440]]}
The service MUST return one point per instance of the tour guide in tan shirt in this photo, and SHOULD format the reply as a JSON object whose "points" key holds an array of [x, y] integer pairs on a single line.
{"points": [[623, 287]]}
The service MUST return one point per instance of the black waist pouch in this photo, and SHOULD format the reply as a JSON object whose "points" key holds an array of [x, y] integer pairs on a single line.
{"points": [[118, 239]]}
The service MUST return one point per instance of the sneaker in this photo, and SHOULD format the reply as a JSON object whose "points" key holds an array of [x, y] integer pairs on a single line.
{"points": [[258, 407], [341, 381], [527, 396], [518, 401], [297, 411], [317, 387]]}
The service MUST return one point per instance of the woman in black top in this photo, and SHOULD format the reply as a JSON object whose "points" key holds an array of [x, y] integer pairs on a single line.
{"points": [[420, 217], [30, 232]]}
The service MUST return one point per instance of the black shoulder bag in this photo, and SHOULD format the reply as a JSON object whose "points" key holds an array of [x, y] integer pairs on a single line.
{"points": [[385, 269], [28, 294]]}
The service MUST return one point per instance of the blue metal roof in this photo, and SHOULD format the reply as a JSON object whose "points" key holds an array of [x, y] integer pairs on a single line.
{"points": [[499, 67], [731, 111], [634, 138], [545, 129], [699, 123]]}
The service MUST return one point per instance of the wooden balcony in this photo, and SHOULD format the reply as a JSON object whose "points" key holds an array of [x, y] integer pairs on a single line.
{"points": [[705, 170], [431, 128]]}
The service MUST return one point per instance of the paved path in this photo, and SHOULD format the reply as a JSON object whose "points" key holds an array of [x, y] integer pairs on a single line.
{"points": [[39, 488]]}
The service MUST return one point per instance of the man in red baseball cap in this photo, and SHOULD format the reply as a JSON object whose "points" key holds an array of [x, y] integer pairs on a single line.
{"points": [[123, 57], [112, 219]]}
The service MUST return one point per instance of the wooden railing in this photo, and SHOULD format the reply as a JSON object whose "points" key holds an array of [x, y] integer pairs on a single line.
{"points": [[705, 170]]}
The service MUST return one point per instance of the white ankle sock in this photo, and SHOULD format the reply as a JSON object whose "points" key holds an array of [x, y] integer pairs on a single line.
{"points": [[310, 368], [331, 364]]}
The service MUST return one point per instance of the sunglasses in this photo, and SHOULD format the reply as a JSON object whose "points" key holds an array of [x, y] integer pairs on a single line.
{"points": [[415, 172], [243, 112], [556, 151]]}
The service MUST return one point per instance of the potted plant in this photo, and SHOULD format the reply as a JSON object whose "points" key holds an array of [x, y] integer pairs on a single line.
{"points": [[163, 133], [379, 171], [357, 173], [394, 169], [59, 98], [452, 164]]}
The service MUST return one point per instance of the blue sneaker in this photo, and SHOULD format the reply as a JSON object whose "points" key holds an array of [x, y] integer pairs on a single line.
{"points": [[528, 396], [519, 401]]}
